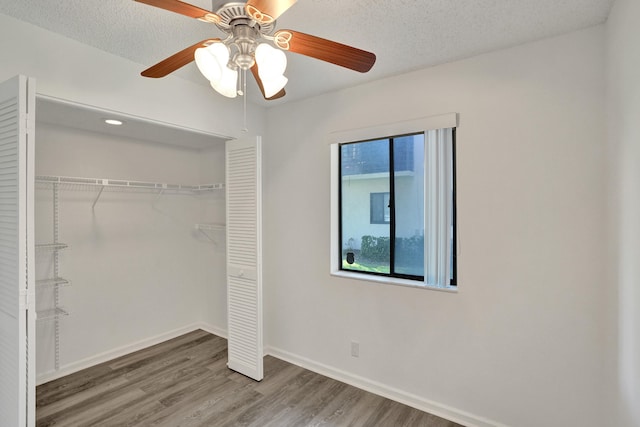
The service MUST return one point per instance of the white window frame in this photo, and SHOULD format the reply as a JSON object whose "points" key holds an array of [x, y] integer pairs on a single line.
{"points": [[421, 125]]}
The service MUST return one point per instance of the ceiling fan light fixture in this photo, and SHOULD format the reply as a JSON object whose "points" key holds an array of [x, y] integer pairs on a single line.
{"points": [[273, 85], [227, 85], [212, 60], [271, 61], [271, 66]]}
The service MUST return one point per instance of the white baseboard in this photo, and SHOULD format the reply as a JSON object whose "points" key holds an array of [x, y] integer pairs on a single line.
{"points": [[126, 349], [443, 411], [213, 330]]}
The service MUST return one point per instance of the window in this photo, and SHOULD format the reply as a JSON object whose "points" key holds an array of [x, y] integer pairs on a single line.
{"points": [[396, 208], [379, 208]]}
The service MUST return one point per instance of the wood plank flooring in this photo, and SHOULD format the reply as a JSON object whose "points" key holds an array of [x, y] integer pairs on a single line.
{"points": [[185, 382]]}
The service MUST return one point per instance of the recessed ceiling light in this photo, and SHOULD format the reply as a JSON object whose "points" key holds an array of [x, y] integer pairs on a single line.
{"points": [[113, 122]]}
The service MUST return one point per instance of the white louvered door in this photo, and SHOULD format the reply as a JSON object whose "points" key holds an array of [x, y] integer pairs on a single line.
{"points": [[17, 293], [244, 257]]}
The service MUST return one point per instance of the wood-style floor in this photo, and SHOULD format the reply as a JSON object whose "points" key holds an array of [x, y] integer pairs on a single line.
{"points": [[185, 382]]}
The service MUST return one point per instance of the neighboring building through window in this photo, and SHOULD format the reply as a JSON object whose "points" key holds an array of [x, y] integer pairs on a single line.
{"points": [[383, 186], [380, 208]]}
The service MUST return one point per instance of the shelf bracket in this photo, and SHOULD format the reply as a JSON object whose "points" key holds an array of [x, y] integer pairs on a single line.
{"points": [[203, 228], [97, 197], [160, 193], [204, 233]]}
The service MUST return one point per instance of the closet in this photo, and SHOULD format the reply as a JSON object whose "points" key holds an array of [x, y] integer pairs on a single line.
{"points": [[129, 242], [129, 212]]}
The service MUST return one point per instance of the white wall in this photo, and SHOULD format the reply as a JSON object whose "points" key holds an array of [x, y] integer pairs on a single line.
{"points": [[623, 109], [521, 343], [67, 69], [138, 268]]}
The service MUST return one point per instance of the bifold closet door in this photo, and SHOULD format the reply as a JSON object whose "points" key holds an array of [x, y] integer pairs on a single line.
{"points": [[244, 257], [17, 293]]}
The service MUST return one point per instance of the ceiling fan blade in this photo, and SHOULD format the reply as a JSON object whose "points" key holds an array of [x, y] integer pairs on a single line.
{"points": [[254, 71], [183, 8], [325, 50], [176, 61], [267, 11]]}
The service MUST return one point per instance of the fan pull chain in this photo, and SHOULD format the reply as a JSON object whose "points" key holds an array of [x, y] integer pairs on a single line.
{"points": [[244, 100]]}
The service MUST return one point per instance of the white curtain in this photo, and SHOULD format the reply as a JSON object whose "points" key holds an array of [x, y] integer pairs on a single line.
{"points": [[438, 210]]}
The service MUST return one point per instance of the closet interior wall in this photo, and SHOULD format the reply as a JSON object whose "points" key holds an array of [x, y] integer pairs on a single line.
{"points": [[139, 268]]}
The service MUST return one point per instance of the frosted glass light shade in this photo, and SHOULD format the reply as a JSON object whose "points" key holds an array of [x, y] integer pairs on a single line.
{"points": [[271, 66], [227, 85], [271, 61], [273, 85], [212, 62]]}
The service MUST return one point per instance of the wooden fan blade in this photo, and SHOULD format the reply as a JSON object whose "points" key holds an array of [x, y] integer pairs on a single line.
{"points": [[176, 61], [183, 8], [325, 50], [267, 11], [254, 71]]}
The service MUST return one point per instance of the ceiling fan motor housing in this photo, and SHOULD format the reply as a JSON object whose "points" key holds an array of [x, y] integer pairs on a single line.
{"points": [[244, 33], [233, 11]]}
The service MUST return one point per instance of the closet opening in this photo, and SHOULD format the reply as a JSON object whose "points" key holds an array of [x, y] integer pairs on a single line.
{"points": [[129, 233]]}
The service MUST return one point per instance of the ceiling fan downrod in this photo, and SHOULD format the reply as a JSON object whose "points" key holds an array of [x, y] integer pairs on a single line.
{"points": [[244, 41]]}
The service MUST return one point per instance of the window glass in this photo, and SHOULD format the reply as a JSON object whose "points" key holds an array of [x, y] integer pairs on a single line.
{"points": [[364, 182], [408, 160]]}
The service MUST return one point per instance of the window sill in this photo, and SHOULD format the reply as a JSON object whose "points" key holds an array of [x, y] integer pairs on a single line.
{"points": [[392, 281]]}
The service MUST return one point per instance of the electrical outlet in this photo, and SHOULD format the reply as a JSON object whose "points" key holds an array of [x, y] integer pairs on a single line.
{"points": [[355, 349]]}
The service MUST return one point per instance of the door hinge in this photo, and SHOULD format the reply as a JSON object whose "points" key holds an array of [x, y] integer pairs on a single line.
{"points": [[29, 124], [24, 300]]}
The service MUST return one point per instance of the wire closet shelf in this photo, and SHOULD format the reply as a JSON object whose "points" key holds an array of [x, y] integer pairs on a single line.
{"points": [[108, 184]]}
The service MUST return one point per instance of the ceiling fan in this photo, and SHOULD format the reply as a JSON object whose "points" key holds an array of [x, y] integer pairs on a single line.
{"points": [[250, 29]]}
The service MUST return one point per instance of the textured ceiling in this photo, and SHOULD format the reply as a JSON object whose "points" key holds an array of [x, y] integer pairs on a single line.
{"points": [[405, 34]]}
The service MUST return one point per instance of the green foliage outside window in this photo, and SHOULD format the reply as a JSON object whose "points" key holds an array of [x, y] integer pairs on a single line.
{"points": [[409, 249]]}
